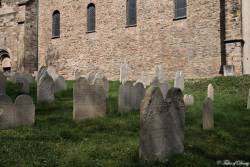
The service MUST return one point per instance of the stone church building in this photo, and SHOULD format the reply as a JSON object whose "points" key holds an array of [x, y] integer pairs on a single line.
{"points": [[198, 37]]}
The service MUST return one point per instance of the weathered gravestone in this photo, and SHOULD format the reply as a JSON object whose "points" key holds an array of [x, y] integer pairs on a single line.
{"points": [[130, 96], [210, 92], [2, 84], [60, 84], [179, 80], [28, 77], [124, 73], [162, 122], [52, 72], [188, 100], [22, 113], [24, 84], [89, 99], [101, 76], [228, 70], [248, 101], [162, 85], [207, 114], [91, 77], [45, 89]]}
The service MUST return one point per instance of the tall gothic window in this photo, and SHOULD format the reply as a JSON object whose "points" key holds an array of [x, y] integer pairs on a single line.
{"points": [[91, 18], [56, 24], [131, 12], [180, 8]]}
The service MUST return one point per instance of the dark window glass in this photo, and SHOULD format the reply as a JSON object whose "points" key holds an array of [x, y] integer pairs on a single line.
{"points": [[91, 17], [131, 12], [0, 3], [180, 8], [56, 24]]}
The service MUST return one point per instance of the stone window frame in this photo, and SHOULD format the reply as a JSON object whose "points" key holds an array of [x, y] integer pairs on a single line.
{"points": [[0, 3], [56, 28], [128, 24], [91, 19], [175, 11]]}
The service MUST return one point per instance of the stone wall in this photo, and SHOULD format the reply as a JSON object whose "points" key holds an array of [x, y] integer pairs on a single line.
{"points": [[192, 45], [15, 37]]}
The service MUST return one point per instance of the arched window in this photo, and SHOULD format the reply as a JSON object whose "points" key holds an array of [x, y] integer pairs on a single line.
{"points": [[91, 18], [131, 12], [56, 24], [180, 8]]}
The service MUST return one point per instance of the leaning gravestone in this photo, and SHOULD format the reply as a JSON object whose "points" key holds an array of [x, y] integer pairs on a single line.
{"points": [[124, 73], [207, 114], [89, 99], [24, 83], [60, 84], [210, 92], [248, 101], [162, 123], [45, 89], [179, 80], [22, 113], [2, 84]]}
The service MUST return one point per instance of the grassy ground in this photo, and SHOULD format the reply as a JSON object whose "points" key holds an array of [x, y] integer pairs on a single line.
{"points": [[55, 140]]}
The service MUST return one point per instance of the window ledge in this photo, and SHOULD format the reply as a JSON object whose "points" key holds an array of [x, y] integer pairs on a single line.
{"points": [[133, 25], [88, 32], [180, 18], [55, 37]]}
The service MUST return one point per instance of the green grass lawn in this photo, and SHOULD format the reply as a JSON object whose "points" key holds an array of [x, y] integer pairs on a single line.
{"points": [[55, 140]]}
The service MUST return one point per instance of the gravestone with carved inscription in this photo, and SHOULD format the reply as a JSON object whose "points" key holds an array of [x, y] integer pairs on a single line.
{"points": [[89, 99], [162, 123]]}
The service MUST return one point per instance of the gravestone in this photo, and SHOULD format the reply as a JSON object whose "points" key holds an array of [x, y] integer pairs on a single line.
{"points": [[101, 76], [89, 99], [45, 88], [78, 73], [248, 101], [52, 72], [188, 100], [207, 114], [210, 92], [143, 79], [91, 77], [22, 113], [25, 111], [179, 80], [2, 84], [162, 85], [124, 73], [137, 95], [28, 77], [228, 70], [125, 94], [41, 72], [162, 123], [24, 84], [60, 84]]}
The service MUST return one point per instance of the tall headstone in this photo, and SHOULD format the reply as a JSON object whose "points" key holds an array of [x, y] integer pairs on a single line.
{"points": [[248, 101], [125, 93], [124, 73], [60, 84], [210, 92], [179, 80], [2, 84], [89, 99], [207, 114], [162, 123], [45, 89]]}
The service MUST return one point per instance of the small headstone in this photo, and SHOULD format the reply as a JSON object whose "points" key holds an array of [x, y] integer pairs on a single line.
{"points": [[179, 80], [25, 111], [248, 101], [210, 92], [228, 70], [162, 123], [24, 83], [7, 118], [89, 99], [2, 84], [138, 93], [188, 100], [124, 73], [46, 89], [207, 114], [60, 84]]}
